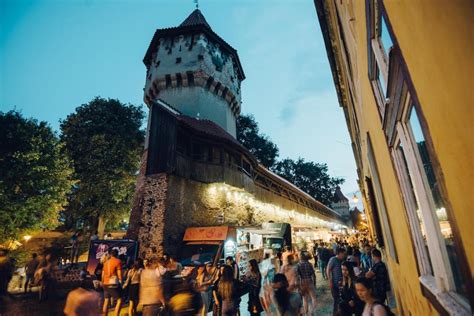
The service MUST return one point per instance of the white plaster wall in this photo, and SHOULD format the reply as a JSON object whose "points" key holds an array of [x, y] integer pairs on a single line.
{"points": [[193, 100]]}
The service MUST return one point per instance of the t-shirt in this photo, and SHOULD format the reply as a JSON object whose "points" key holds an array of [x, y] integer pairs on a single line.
{"points": [[380, 280], [291, 273], [150, 287], [334, 266], [366, 261], [31, 267], [378, 310], [111, 268], [306, 270], [324, 254]]}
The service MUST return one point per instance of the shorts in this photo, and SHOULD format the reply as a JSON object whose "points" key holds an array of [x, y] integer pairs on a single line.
{"points": [[112, 291], [133, 292]]}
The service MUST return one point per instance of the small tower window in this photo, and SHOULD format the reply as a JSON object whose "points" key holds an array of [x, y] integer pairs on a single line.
{"points": [[209, 82], [200, 57], [216, 89], [224, 92], [190, 76], [178, 60], [168, 81], [179, 80]]}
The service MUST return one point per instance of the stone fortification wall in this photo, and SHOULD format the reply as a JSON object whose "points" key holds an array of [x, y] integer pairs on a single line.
{"points": [[169, 204], [151, 227]]}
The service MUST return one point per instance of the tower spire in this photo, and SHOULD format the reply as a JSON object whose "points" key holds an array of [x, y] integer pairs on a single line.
{"points": [[196, 2]]}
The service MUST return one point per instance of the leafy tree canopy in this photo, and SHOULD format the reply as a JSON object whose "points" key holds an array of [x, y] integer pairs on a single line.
{"points": [[105, 141], [313, 178], [35, 176], [258, 144]]}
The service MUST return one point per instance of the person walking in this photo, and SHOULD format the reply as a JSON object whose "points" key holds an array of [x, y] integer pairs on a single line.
{"points": [[94, 236], [75, 247], [6, 272], [289, 269], [379, 276], [349, 302], [204, 281], [112, 280], [44, 277], [366, 259], [283, 301], [334, 274], [323, 258], [235, 268], [372, 307], [133, 283], [308, 284], [226, 293], [30, 269], [151, 296], [173, 266], [268, 274], [253, 280], [314, 249]]}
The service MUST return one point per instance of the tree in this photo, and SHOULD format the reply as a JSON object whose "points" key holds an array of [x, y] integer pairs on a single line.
{"points": [[105, 142], [312, 178], [35, 176], [258, 144]]}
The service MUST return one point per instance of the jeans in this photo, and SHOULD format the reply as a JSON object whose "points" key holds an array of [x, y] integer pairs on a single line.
{"points": [[335, 296], [322, 268]]}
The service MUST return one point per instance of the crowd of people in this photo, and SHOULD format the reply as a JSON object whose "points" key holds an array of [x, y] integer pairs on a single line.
{"points": [[283, 283], [357, 277]]}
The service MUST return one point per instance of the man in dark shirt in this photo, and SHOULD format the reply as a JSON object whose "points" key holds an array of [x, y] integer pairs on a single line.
{"points": [[379, 276], [30, 269], [323, 258]]}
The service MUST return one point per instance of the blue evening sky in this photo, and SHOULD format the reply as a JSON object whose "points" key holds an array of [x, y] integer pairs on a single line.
{"points": [[57, 55]]}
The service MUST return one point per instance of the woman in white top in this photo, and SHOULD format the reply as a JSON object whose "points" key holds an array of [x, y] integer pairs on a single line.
{"points": [[151, 292], [364, 291], [133, 283]]}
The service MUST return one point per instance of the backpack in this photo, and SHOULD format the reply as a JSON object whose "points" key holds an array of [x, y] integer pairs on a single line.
{"points": [[387, 309]]}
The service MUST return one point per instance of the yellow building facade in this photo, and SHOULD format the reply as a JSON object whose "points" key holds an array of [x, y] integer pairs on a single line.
{"points": [[402, 71]]}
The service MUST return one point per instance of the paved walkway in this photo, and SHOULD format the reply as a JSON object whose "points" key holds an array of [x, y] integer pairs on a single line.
{"points": [[323, 295]]}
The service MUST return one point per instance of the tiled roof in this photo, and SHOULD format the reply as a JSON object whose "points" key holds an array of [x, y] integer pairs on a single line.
{"points": [[339, 196], [209, 128], [195, 18]]}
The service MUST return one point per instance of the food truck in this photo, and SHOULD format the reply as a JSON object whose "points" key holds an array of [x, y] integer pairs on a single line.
{"points": [[213, 244]]}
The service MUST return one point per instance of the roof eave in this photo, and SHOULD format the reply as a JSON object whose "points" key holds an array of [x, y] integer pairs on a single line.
{"points": [[323, 23]]}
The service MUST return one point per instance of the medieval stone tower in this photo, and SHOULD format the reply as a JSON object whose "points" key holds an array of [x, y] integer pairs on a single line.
{"points": [[194, 70], [194, 172]]}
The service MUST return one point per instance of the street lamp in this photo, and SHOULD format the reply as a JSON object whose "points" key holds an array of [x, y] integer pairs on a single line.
{"points": [[27, 237], [355, 199]]}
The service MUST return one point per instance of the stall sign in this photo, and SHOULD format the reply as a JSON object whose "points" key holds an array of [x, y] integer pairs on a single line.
{"points": [[206, 233], [127, 250]]}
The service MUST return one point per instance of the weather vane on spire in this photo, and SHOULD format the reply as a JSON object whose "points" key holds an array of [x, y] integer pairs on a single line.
{"points": [[196, 2]]}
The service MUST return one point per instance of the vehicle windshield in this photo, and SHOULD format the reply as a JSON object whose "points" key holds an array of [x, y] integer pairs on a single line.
{"points": [[192, 255]]}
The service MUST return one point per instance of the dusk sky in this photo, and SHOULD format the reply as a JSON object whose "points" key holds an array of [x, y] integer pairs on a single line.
{"points": [[57, 55]]}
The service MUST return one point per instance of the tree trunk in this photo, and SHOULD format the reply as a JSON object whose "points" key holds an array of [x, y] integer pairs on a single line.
{"points": [[101, 227]]}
